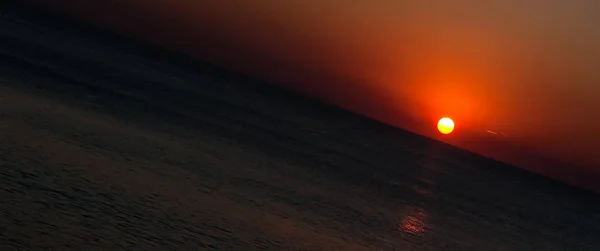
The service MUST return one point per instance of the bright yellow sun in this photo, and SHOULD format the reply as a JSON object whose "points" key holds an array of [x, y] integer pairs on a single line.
{"points": [[445, 125]]}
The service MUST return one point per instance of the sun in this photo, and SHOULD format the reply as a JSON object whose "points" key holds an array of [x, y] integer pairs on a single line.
{"points": [[445, 125]]}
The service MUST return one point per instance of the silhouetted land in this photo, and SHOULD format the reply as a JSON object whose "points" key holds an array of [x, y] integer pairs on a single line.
{"points": [[108, 144]]}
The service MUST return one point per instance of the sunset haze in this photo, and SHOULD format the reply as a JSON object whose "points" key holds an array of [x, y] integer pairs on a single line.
{"points": [[509, 73]]}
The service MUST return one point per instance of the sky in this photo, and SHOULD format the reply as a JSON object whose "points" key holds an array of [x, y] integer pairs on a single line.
{"points": [[515, 76]]}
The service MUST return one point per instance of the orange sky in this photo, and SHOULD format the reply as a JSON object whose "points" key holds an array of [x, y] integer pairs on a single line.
{"points": [[524, 68]]}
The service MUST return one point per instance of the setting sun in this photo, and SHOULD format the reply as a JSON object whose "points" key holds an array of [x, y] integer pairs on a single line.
{"points": [[445, 125]]}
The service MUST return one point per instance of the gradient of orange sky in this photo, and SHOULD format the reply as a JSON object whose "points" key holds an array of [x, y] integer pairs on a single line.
{"points": [[528, 69]]}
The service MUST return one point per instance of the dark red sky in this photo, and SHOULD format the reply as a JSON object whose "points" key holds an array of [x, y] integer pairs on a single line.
{"points": [[528, 69]]}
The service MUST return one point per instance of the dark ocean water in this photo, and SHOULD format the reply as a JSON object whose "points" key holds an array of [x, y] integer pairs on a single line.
{"points": [[109, 144]]}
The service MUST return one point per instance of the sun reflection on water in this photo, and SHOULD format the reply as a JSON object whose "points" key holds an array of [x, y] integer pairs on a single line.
{"points": [[414, 222]]}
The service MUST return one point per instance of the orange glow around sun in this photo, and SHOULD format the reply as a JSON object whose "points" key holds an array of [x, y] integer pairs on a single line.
{"points": [[445, 125]]}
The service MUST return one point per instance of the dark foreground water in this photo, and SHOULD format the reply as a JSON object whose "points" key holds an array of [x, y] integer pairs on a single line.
{"points": [[106, 144]]}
